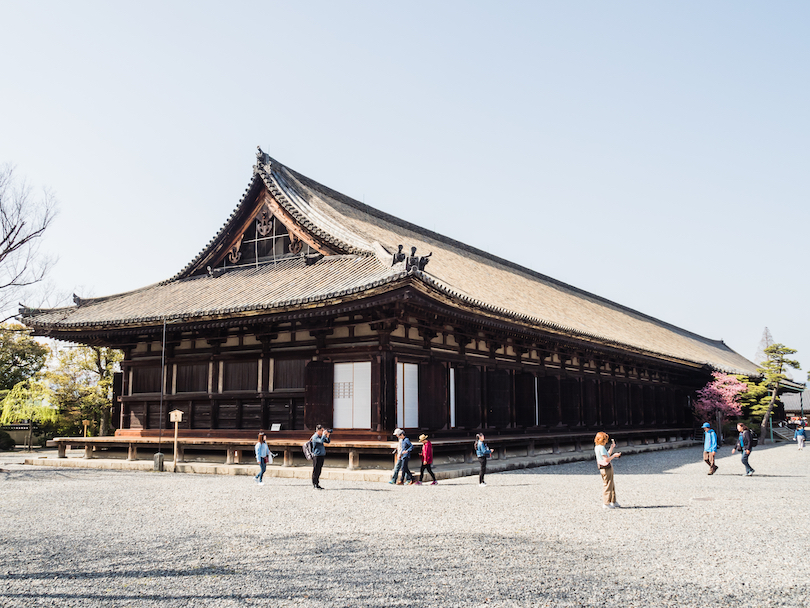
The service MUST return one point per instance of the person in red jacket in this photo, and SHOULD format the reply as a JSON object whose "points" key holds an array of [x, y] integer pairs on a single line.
{"points": [[427, 460]]}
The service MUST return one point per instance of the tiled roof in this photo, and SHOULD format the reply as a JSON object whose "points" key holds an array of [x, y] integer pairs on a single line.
{"points": [[269, 286], [469, 275]]}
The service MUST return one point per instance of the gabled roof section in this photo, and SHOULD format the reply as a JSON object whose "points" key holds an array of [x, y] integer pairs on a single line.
{"points": [[272, 185], [364, 239]]}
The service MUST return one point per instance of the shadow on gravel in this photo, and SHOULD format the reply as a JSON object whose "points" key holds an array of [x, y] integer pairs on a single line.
{"points": [[623, 508], [71, 575]]}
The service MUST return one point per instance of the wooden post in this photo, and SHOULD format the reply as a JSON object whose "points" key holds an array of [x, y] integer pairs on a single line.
{"points": [[175, 416], [88, 450], [85, 423], [288, 457], [354, 460], [62, 448], [229, 454], [132, 452]]}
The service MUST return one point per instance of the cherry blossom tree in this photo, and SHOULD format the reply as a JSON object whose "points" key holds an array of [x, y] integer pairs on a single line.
{"points": [[718, 399]]}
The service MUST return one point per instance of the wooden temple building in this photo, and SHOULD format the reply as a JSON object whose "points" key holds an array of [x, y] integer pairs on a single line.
{"points": [[309, 307]]}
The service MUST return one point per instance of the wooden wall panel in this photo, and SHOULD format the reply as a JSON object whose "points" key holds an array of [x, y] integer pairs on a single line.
{"points": [[590, 402], [289, 373], [192, 378], [240, 375], [570, 398], [525, 400], [202, 415], [433, 408], [319, 394], [622, 396], [636, 405], [252, 416], [146, 379], [499, 396], [227, 416], [468, 397], [606, 414], [548, 389]]}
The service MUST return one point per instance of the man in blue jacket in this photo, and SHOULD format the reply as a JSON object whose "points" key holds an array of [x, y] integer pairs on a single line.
{"points": [[405, 456], [709, 447]]}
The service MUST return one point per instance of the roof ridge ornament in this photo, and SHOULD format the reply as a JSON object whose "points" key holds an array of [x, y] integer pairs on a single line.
{"points": [[415, 261], [262, 158]]}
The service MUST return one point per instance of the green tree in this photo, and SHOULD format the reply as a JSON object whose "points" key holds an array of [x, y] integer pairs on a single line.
{"points": [[773, 370], [81, 381], [29, 400], [21, 357], [754, 402]]}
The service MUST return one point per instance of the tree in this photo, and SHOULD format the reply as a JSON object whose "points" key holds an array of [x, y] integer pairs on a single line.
{"points": [[754, 402], [719, 398], [773, 369], [81, 382], [28, 400], [23, 221], [21, 357]]}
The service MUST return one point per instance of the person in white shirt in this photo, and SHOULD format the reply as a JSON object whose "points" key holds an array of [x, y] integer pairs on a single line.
{"points": [[603, 460]]}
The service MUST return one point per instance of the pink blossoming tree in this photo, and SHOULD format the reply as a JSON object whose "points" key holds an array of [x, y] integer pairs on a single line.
{"points": [[718, 399]]}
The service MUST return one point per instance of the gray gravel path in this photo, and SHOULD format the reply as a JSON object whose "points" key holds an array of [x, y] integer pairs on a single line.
{"points": [[536, 537]]}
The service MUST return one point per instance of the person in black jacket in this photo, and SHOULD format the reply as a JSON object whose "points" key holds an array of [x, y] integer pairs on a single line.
{"points": [[744, 445]]}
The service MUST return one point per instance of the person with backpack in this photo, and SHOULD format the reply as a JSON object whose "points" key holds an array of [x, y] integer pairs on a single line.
{"points": [[483, 452], [709, 447], [397, 459], [744, 443], [800, 436], [427, 460], [262, 457], [318, 440], [404, 457]]}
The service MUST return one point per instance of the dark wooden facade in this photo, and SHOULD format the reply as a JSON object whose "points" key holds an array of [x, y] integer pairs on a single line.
{"points": [[485, 375]]}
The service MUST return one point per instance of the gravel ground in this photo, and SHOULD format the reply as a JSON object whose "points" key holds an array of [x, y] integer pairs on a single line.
{"points": [[536, 537]]}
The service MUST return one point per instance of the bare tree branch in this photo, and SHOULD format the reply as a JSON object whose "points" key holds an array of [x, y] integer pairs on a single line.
{"points": [[23, 221]]}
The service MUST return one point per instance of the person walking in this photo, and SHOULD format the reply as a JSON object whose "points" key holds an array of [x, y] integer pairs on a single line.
{"points": [[397, 459], [800, 435], [744, 444], [604, 457], [483, 453], [404, 458], [262, 457], [318, 440], [427, 460], [709, 447]]}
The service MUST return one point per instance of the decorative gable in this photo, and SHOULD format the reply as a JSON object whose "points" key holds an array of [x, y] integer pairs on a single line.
{"points": [[265, 238]]}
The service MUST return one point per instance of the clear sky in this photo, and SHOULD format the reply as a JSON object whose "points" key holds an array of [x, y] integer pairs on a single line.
{"points": [[653, 153]]}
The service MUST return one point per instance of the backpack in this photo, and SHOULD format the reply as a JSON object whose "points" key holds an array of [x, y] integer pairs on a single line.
{"points": [[754, 439], [308, 450]]}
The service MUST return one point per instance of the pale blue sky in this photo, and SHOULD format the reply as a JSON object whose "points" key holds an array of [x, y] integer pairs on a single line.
{"points": [[655, 154]]}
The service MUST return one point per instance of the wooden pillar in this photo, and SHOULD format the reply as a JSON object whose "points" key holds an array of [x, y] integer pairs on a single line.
{"points": [[354, 460], [229, 454], [88, 450], [62, 449], [288, 457], [132, 451]]}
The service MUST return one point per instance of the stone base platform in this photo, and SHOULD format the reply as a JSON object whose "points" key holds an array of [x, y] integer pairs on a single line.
{"points": [[444, 471]]}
